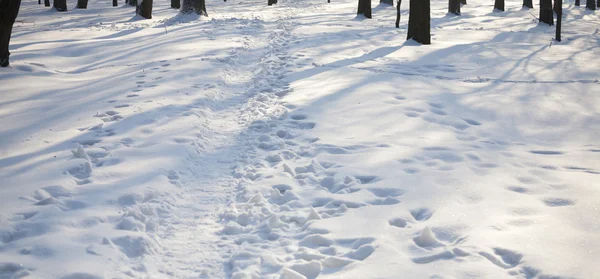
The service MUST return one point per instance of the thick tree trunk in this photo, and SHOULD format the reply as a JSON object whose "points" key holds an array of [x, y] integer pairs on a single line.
{"points": [[398, 13], [529, 4], [546, 13], [115, 3], [389, 2], [194, 6], [47, 3], [419, 21], [558, 5], [364, 8], [82, 4], [590, 5], [499, 5], [577, 3], [176, 4], [9, 9], [454, 7], [145, 9], [60, 5], [271, 2]]}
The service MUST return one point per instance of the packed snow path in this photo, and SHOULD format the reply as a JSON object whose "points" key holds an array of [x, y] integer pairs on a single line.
{"points": [[297, 141]]}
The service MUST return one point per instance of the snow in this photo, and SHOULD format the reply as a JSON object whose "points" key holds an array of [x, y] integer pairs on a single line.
{"points": [[299, 141]]}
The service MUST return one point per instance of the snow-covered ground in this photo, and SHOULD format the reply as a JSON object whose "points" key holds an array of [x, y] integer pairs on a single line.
{"points": [[299, 141]]}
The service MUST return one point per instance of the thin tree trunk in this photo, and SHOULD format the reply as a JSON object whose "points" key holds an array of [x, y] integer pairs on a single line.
{"points": [[194, 6], [145, 9], [115, 3], [558, 18], [176, 4], [529, 4], [60, 5], [398, 13], [590, 5], [546, 13], [577, 3], [419, 26], [47, 3], [9, 9], [39, 2], [364, 8], [271, 2], [454, 7], [499, 5], [598, 3], [82, 4]]}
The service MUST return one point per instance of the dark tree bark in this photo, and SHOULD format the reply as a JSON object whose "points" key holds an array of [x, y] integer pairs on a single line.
{"points": [[463, 2], [598, 3], [132, 2], [577, 3], [555, 6], [558, 17], [454, 7], [546, 13], [115, 3], [176, 4], [145, 9], [529, 4], [60, 5], [590, 5], [398, 13], [499, 5], [419, 21], [39, 2], [271, 2], [364, 8], [9, 9], [194, 6], [389, 2], [47, 3], [82, 4]]}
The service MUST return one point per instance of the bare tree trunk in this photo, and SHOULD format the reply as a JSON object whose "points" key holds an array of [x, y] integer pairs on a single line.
{"points": [[271, 2], [194, 6], [463, 2], [577, 3], [398, 13], [364, 8], [558, 8], [529, 4], [132, 2], [60, 5], [82, 4], [176, 4], [499, 5], [47, 3], [115, 3], [590, 5], [419, 26], [9, 9], [546, 13], [145, 9], [389, 2], [598, 3], [454, 7]]}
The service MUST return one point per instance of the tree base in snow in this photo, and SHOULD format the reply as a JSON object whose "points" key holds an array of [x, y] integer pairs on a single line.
{"points": [[419, 25], [144, 9], [364, 8], [389, 2]]}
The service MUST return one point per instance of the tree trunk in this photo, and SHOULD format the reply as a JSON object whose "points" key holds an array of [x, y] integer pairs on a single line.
{"points": [[463, 2], [398, 13], [546, 13], [176, 4], [364, 8], [60, 5], [577, 3], [194, 6], [454, 7], [9, 9], [271, 2], [590, 5], [39, 2], [47, 3], [555, 6], [419, 21], [529, 4], [390, 2], [598, 4], [82, 4], [499, 5], [132, 2], [145, 9], [558, 17]]}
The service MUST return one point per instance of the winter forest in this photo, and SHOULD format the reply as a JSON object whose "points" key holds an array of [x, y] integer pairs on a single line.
{"points": [[300, 139]]}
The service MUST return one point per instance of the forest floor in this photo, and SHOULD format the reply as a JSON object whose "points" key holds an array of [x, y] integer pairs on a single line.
{"points": [[299, 141]]}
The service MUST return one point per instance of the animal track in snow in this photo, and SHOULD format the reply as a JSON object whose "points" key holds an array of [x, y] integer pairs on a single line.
{"points": [[421, 214], [546, 152], [558, 202]]}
